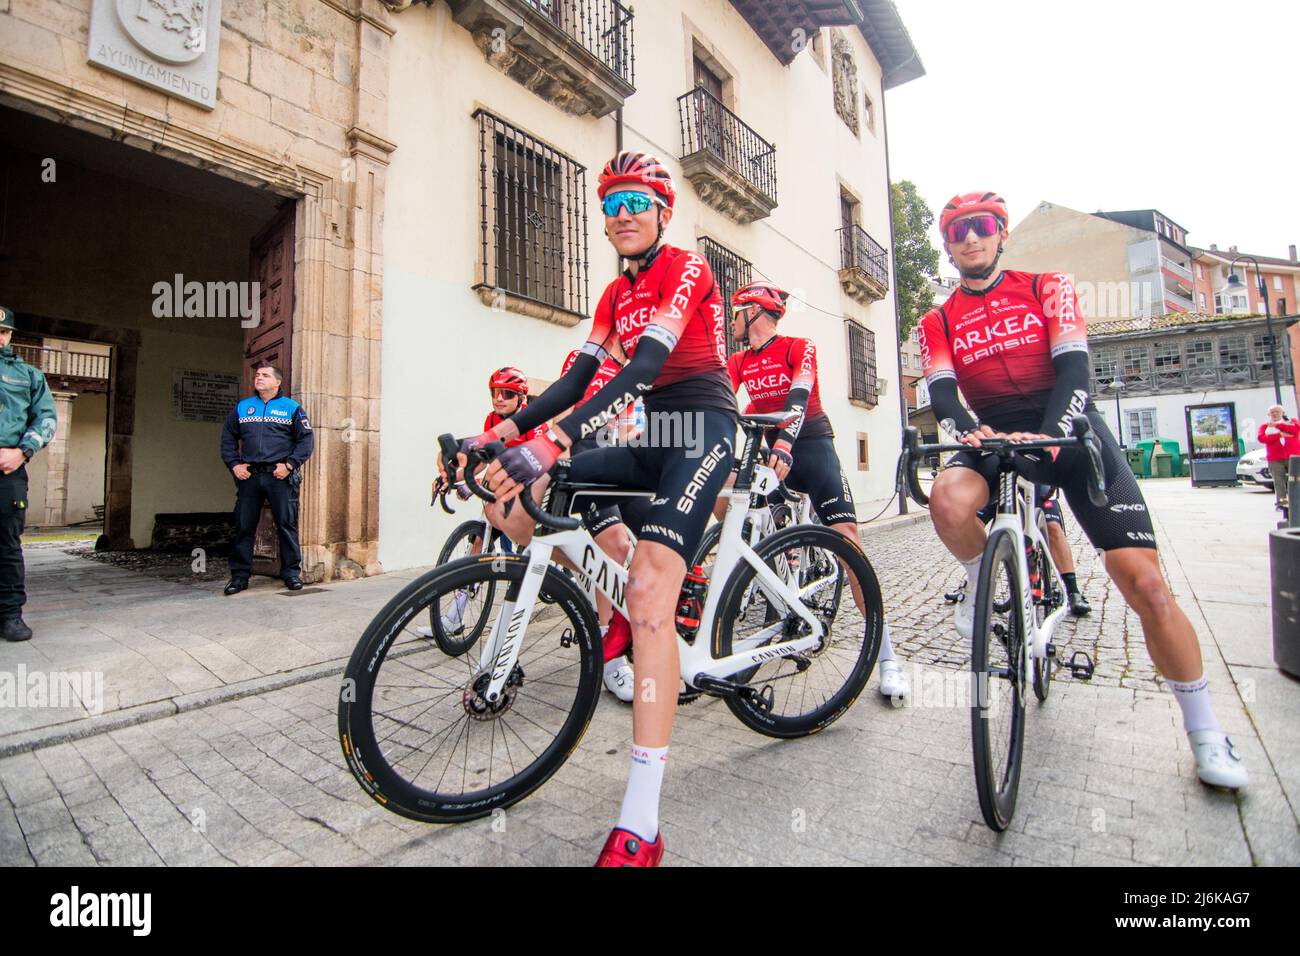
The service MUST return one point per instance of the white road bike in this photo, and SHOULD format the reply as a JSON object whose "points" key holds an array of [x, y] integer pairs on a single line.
{"points": [[1018, 605], [444, 739]]}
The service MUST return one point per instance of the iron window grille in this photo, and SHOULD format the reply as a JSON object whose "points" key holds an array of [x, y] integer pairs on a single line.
{"points": [[707, 125], [604, 28], [533, 220], [863, 386], [859, 251], [730, 272]]}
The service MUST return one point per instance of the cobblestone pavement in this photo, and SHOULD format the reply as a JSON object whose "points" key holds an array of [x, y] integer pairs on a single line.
{"points": [[1107, 776]]}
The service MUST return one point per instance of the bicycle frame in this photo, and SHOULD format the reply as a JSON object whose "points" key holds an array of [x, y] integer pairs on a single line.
{"points": [[1018, 512], [500, 651]]}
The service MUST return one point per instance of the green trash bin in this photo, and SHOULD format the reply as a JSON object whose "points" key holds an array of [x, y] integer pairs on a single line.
{"points": [[1146, 445], [1175, 453], [1134, 456], [1162, 464], [1184, 465]]}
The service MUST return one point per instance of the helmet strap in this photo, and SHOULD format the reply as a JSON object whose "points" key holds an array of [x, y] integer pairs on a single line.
{"points": [[980, 274], [641, 257]]}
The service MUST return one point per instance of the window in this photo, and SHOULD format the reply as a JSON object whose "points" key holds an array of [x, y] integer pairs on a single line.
{"points": [[1239, 302], [1137, 362], [1281, 306], [1277, 283], [862, 364], [863, 461], [533, 227], [1200, 353], [1103, 366], [1203, 301], [1167, 356], [844, 79], [1262, 357], [869, 113], [1200, 272], [730, 272], [1218, 304], [1139, 424], [1232, 353]]}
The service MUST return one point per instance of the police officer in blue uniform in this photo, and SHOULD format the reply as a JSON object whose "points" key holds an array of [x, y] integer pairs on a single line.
{"points": [[266, 440], [27, 421]]}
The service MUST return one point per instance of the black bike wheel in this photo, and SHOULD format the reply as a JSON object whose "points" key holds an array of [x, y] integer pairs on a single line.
{"points": [[805, 692], [998, 681], [414, 726], [466, 611]]}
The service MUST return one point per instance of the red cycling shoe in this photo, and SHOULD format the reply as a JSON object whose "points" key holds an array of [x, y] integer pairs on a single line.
{"points": [[625, 848]]}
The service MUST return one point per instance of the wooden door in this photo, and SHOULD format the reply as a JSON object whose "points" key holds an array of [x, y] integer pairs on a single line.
{"points": [[708, 112], [271, 341]]}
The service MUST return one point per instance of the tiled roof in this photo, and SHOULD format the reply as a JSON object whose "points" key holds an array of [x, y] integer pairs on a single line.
{"points": [[1227, 256], [1173, 320]]}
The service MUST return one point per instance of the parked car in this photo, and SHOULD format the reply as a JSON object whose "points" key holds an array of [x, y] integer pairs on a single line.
{"points": [[1253, 467]]}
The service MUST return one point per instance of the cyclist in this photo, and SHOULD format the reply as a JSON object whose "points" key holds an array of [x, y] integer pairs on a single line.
{"points": [[1057, 544], [508, 388], [1016, 345], [780, 375], [605, 524], [664, 317]]}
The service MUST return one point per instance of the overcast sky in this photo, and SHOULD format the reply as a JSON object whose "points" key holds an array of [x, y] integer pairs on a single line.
{"points": [[1186, 106]]}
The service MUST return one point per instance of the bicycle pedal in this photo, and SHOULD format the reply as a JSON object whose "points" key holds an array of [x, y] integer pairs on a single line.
{"points": [[761, 699], [1051, 649], [1080, 671]]}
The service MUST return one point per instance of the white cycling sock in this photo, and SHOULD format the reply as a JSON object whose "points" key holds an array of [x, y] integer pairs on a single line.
{"points": [[640, 813], [972, 568], [1194, 700], [458, 607], [886, 648]]}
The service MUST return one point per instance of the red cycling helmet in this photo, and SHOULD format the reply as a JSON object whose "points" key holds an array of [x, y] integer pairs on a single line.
{"points": [[509, 378], [635, 167], [765, 294], [967, 203]]}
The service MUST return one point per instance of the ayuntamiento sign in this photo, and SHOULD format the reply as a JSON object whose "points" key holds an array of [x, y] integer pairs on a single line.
{"points": [[168, 44]]}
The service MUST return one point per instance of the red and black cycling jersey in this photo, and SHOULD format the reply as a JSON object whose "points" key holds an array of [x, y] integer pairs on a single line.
{"points": [[680, 283], [494, 419], [771, 371], [999, 346]]}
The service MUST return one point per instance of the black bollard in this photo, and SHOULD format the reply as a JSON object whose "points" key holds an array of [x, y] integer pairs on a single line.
{"points": [[1292, 489]]}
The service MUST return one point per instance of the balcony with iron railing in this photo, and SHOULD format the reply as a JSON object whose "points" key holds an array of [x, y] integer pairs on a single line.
{"points": [[578, 54], [864, 265], [89, 369], [730, 165]]}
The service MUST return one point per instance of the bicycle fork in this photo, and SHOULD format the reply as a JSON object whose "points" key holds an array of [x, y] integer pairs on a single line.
{"points": [[501, 650]]}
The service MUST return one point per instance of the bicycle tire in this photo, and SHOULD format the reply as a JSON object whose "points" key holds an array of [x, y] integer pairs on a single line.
{"points": [[991, 683], [377, 762], [847, 685], [457, 642]]}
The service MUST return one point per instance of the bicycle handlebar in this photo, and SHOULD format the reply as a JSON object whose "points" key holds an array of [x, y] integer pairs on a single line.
{"points": [[450, 448], [1084, 437]]}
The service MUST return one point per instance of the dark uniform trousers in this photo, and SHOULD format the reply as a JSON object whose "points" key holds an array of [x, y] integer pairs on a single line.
{"points": [[282, 494], [13, 518]]}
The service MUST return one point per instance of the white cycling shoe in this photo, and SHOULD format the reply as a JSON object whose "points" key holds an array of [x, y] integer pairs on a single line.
{"points": [[963, 614], [1217, 761], [893, 683], [619, 680]]}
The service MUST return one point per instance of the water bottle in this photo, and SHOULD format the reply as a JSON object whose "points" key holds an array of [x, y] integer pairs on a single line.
{"points": [[690, 603]]}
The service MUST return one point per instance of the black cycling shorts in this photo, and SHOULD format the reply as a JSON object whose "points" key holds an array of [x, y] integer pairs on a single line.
{"points": [[1048, 503], [686, 481], [816, 472], [597, 511], [1122, 523]]}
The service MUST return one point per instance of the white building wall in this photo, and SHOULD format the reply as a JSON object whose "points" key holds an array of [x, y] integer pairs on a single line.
{"points": [[440, 342], [1252, 409]]}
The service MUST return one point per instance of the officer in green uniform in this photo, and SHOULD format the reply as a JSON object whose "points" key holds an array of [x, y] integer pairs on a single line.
{"points": [[27, 421]]}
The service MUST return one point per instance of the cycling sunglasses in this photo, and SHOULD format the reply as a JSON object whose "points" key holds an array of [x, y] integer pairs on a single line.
{"points": [[636, 203], [984, 225], [504, 394]]}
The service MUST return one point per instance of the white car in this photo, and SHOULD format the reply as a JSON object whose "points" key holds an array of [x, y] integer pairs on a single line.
{"points": [[1253, 467]]}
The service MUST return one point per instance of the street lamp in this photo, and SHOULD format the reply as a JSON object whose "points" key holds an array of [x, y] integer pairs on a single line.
{"points": [[1119, 385], [1234, 285]]}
